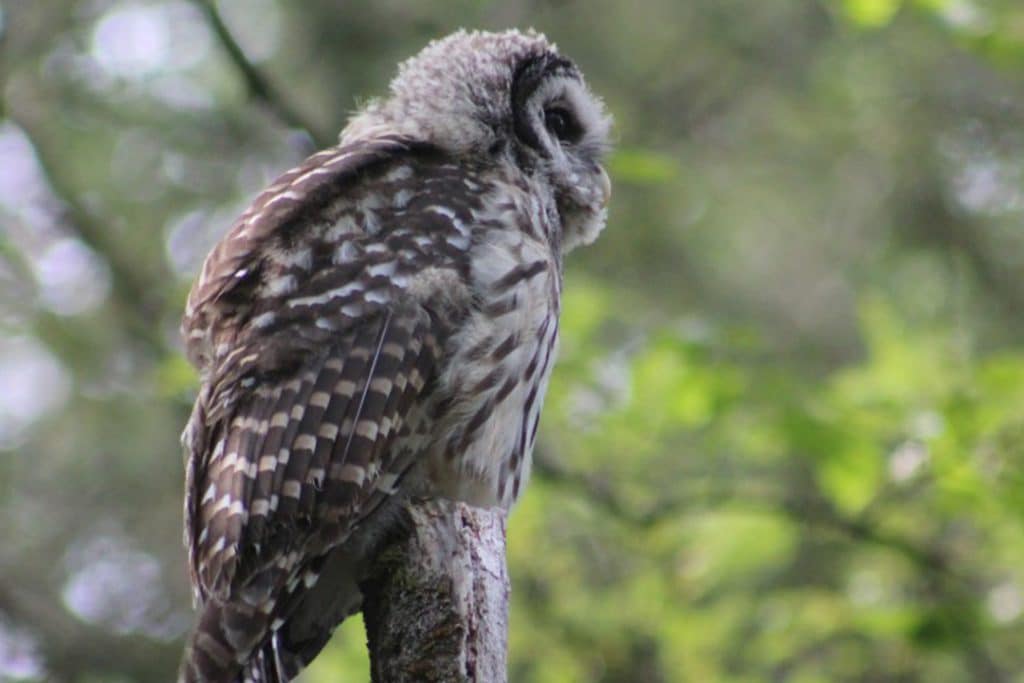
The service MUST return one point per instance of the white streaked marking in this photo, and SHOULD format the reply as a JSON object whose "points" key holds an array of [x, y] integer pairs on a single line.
{"points": [[318, 299], [338, 160], [319, 170], [371, 222], [236, 509], [230, 460], [282, 196], [303, 258], [211, 491], [386, 268], [352, 310], [280, 285], [376, 296], [343, 227], [386, 482], [402, 199], [381, 384], [393, 349], [291, 488], [367, 429], [346, 253], [400, 173], [460, 241], [442, 211], [352, 473]]}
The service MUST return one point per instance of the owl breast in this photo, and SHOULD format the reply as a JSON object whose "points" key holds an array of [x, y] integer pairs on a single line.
{"points": [[498, 366]]}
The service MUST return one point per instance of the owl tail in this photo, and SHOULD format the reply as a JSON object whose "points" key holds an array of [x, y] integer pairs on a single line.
{"points": [[222, 647]]}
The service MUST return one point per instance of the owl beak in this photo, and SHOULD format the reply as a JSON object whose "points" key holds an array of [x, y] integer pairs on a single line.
{"points": [[606, 187]]}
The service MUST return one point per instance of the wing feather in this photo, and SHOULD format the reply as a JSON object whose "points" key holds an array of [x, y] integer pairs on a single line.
{"points": [[317, 365], [235, 262]]}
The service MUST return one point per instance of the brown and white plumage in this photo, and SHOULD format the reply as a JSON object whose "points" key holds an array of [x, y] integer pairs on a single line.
{"points": [[381, 322]]}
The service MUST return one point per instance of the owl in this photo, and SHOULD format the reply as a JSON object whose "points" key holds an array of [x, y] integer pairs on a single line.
{"points": [[380, 323]]}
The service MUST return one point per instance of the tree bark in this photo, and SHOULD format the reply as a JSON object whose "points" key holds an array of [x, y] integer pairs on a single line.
{"points": [[436, 602]]}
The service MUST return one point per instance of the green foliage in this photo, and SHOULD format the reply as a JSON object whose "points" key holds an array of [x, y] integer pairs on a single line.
{"points": [[850, 518], [643, 167], [871, 13]]}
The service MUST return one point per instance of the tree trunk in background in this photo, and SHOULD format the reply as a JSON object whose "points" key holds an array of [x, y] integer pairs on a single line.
{"points": [[436, 603]]}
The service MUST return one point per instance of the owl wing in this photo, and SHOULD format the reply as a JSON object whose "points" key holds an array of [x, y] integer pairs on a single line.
{"points": [[281, 211], [314, 357], [316, 338], [307, 453]]}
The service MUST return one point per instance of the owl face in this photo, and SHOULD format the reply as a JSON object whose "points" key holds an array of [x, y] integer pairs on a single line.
{"points": [[506, 98]]}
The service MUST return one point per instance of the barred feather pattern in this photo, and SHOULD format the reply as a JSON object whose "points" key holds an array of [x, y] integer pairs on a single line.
{"points": [[378, 307], [380, 323]]}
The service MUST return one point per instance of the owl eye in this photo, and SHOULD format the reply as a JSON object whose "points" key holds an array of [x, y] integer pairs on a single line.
{"points": [[562, 124]]}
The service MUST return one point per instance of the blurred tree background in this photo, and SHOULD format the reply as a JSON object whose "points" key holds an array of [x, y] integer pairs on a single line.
{"points": [[785, 440]]}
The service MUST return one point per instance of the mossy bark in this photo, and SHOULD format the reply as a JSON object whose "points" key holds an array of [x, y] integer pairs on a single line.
{"points": [[436, 601]]}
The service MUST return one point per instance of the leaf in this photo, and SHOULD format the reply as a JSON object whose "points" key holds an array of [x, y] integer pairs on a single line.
{"points": [[174, 376], [643, 167], [852, 476], [871, 13]]}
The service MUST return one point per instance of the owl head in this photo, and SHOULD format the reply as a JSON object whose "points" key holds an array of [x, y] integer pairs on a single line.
{"points": [[505, 98]]}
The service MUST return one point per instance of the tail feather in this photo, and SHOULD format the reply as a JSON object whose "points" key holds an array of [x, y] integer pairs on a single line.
{"points": [[222, 643]]}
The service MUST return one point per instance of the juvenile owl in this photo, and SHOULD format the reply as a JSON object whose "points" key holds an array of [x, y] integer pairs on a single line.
{"points": [[381, 322]]}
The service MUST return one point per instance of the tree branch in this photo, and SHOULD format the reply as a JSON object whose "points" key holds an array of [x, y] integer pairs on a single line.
{"points": [[257, 84], [133, 291], [436, 603]]}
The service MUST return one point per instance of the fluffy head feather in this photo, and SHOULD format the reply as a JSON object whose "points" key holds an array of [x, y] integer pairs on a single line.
{"points": [[499, 98]]}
